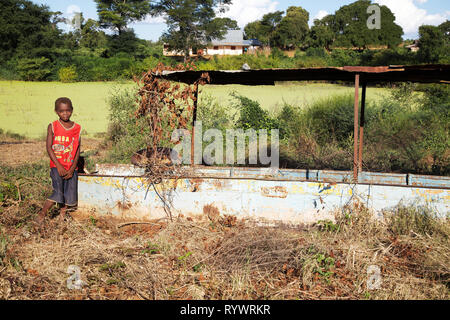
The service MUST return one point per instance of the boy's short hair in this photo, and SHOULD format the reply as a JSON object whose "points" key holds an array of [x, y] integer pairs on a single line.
{"points": [[63, 100]]}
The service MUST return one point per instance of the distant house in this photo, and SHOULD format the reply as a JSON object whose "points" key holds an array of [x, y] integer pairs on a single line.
{"points": [[413, 47], [233, 43]]}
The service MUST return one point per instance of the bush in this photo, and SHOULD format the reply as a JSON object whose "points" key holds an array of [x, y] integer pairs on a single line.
{"points": [[316, 52], [213, 115], [252, 116], [340, 58], [331, 119], [126, 134], [68, 74], [35, 69], [422, 220]]}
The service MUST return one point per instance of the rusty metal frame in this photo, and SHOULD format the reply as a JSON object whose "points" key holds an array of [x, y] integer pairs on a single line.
{"points": [[358, 74], [355, 131], [194, 119]]}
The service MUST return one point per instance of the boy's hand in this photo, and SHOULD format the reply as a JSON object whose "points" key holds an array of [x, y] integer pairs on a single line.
{"points": [[68, 175], [61, 170]]}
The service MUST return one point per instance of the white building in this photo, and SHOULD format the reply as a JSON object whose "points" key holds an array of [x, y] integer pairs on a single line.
{"points": [[233, 43]]}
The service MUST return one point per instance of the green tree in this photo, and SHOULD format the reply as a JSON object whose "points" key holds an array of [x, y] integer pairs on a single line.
{"points": [[192, 23], [349, 24], [445, 28], [252, 30], [265, 29], [91, 36], [293, 28], [431, 43], [28, 30], [321, 35], [124, 42], [117, 14]]}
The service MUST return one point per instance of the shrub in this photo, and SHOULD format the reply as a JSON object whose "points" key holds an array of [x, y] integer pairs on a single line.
{"points": [[213, 115], [35, 69], [422, 220], [316, 52], [331, 119], [126, 134], [252, 115], [67, 74]]}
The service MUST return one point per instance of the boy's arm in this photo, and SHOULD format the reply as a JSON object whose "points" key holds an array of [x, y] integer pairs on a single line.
{"points": [[61, 170], [74, 164]]}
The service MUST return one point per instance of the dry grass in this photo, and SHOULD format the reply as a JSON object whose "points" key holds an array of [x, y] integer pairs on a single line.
{"points": [[218, 257]]}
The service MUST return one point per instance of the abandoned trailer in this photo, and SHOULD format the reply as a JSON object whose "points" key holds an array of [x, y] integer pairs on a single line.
{"points": [[270, 194]]}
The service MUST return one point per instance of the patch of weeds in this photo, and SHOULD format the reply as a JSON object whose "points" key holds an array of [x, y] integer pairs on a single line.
{"points": [[151, 248], [183, 259], [112, 281], [111, 267], [3, 247], [16, 264], [325, 266], [170, 290], [318, 263], [422, 220], [8, 191], [198, 267], [328, 226], [92, 280], [93, 221]]}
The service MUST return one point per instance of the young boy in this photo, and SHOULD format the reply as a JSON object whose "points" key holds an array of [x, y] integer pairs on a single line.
{"points": [[63, 148]]}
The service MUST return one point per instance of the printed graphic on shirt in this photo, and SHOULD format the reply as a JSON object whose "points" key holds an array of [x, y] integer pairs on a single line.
{"points": [[65, 143]]}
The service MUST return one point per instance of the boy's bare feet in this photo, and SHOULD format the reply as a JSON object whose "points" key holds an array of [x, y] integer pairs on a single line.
{"points": [[39, 220], [41, 215], [64, 214]]}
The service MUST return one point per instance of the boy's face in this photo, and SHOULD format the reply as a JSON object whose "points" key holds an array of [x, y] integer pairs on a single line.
{"points": [[64, 111]]}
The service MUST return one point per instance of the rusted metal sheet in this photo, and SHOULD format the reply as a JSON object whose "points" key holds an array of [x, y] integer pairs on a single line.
{"points": [[383, 178], [334, 176], [421, 73], [428, 181], [285, 197], [118, 170]]}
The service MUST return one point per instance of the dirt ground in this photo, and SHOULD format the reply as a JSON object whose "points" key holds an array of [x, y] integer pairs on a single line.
{"points": [[14, 153], [213, 257]]}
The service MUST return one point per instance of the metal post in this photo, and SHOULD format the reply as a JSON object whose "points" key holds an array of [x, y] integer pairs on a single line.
{"points": [[361, 126], [355, 131], [194, 119]]}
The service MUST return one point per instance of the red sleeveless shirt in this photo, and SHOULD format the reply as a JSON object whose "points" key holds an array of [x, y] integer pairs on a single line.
{"points": [[65, 143]]}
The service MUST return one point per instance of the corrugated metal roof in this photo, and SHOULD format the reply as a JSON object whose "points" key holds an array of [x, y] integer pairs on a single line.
{"points": [[417, 73], [232, 37]]}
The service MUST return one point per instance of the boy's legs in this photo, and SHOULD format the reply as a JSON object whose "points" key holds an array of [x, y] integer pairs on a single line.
{"points": [[70, 195], [41, 215], [56, 197]]}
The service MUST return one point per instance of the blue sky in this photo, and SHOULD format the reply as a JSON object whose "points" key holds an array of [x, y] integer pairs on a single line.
{"points": [[410, 14]]}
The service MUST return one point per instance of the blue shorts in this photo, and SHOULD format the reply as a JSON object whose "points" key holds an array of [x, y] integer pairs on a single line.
{"points": [[64, 191]]}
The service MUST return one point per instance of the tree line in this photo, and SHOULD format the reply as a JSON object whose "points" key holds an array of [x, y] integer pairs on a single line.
{"points": [[33, 47]]}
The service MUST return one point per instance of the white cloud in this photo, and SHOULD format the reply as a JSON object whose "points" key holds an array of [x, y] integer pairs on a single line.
{"points": [[72, 9], [410, 17], [320, 15], [245, 11], [153, 20]]}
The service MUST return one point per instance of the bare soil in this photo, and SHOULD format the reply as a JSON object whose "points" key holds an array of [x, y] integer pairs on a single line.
{"points": [[15, 153]]}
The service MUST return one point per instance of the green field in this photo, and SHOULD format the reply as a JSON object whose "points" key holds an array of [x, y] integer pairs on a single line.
{"points": [[28, 107], [274, 97]]}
